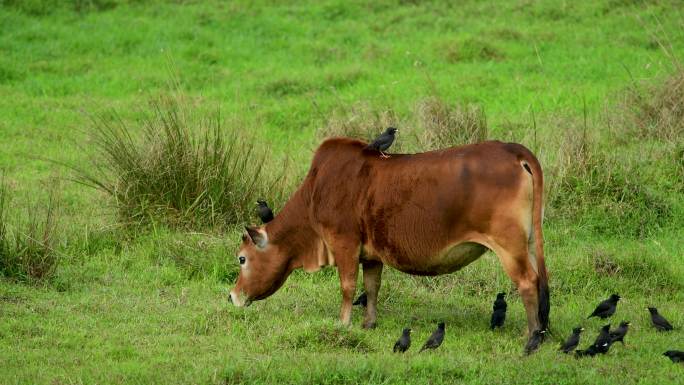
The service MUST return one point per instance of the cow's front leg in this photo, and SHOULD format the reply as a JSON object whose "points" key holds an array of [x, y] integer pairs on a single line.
{"points": [[347, 260], [372, 274]]}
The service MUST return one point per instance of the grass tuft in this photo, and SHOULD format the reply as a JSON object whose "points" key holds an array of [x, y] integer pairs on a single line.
{"points": [[657, 111], [27, 250], [183, 170], [445, 125]]}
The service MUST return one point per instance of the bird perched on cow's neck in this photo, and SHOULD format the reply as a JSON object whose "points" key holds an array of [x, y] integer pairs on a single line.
{"points": [[535, 340], [404, 342], [571, 343], [606, 308], [675, 355], [659, 322], [499, 313], [435, 339], [264, 212], [620, 332], [383, 142]]}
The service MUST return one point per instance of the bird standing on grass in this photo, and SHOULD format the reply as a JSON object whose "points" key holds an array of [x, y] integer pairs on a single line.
{"points": [[620, 332], [659, 322], [362, 300], [264, 212], [499, 313], [603, 341], [435, 339], [675, 355], [606, 308], [404, 342], [383, 142], [571, 343], [535, 341], [600, 345]]}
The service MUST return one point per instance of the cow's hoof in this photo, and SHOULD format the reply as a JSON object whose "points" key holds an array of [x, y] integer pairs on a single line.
{"points": [[369, 325]]}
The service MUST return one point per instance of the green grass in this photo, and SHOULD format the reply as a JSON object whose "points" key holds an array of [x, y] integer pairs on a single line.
{"points": [[149, 305]]}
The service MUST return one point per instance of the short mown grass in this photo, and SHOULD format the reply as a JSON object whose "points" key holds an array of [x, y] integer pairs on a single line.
{"points": [[140, 267]]}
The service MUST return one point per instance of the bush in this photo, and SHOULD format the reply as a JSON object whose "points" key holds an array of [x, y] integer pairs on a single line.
{"points": [[27, 250], [183, 170]]}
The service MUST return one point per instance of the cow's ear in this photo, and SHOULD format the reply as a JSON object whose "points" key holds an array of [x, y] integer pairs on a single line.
{"points": [[257, 236]]}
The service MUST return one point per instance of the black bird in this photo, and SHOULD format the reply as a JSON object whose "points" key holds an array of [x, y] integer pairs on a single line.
{"points": [[498, 318], [535, 341], [603, 341], [675, 355], [600, 345], [362, 300], [606, 308], [659, 322], [500, 301], [590, 351], [571, 343], [435, 339], [620, 332], [404, 342], [383, 142], [264, 212], [499, 314]]}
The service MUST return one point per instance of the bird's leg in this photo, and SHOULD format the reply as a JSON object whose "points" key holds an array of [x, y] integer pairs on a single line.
{"points": [[383, 155], [372, 273]]}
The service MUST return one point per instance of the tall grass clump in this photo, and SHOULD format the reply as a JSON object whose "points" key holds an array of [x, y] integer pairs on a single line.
{"points": [[656, 111], [446, 125], [594, 183], [27, 249], [177, 167], [359, 121]]}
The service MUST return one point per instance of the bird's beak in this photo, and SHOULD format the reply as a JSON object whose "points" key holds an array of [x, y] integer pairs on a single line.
{"points": [[582, 329]]}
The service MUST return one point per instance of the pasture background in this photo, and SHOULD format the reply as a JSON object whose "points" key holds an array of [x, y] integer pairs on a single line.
{"points": [[148, 304]]}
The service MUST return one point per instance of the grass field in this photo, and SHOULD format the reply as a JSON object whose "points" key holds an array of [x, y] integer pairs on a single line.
{"points": [[101, 300]]}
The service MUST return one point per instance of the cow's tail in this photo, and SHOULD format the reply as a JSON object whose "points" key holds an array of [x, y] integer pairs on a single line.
{"points": [[532, 166]]}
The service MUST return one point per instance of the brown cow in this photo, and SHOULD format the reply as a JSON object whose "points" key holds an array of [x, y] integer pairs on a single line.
{"points": [[424, 214]]}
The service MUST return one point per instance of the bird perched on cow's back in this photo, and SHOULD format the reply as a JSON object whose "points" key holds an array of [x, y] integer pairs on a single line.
{"points": [[383, 142], [499, 311], [404, 342], [606, 308], [659, 322], [435, 339], [264, 212], [362, 300], [619, 333], [571, 343], [675, 355], [535, 340]]}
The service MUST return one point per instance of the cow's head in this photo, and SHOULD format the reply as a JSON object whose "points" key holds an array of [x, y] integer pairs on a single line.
{"points": [[263, 267]]}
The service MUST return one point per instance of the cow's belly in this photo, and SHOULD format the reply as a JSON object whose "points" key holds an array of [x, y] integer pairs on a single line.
{"points": [[447, 261]]}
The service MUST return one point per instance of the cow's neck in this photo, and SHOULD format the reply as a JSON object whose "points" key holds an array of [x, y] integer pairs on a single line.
{"points": [[299, 245]]}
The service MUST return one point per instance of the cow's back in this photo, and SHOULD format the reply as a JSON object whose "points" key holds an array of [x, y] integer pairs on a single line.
{"points": [[408, 208]]}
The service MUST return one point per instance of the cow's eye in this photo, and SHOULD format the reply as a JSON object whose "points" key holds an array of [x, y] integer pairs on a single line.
{"points": [[242, 260]]}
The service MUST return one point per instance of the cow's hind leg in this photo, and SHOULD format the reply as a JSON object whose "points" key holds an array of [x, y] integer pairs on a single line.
{"points": [[515, 259], [372, 274]]}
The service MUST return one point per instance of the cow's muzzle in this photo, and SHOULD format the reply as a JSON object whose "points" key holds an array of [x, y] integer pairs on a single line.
{"points": [[239, 300]]}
